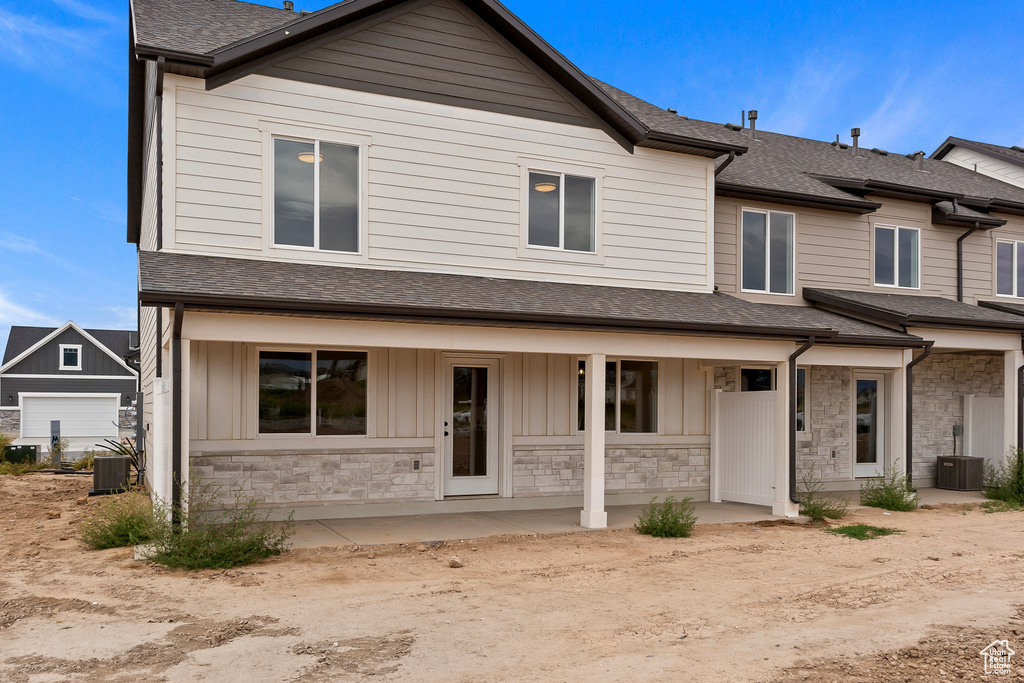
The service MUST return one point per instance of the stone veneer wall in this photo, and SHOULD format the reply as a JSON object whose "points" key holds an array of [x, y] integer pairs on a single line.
{"points": [[558, 470], [10, 421], [940, 383], [316, 477], [727, 378], [829, 416]]}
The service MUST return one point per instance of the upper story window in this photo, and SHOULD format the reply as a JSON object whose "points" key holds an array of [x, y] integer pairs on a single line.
{"points": [[319, 393], [897, 257], [562, 212], [768, 245], [316, 195], [1010, 268], [70, 356]]}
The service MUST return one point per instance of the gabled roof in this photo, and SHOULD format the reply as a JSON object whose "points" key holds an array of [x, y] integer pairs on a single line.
{"points": [[219, 283], [23, 341], [828, 175], [913, 310], [1012, 155], [222, 40], [1004, 305]]}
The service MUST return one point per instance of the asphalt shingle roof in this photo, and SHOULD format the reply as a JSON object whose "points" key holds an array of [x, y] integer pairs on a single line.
{"points": [[791, 164], [22, 338], [1014, 154], [910, 309], [212, 280], [203, 26]]}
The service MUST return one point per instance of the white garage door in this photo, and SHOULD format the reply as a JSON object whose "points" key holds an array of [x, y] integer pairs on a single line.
{"points": [[80, 416]]}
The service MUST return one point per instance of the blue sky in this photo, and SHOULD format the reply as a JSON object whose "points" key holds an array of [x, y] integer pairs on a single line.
{"points": [[907, 73]]}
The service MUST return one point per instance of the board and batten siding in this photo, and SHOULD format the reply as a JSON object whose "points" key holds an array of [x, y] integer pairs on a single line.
{"points": [[834, 250], [443, 186], [990, 166], [46, 359], [439, 52]]}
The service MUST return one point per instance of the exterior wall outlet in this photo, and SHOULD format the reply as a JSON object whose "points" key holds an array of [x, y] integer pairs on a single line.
{"points": [[833, 454], [958, 430], [415, 465]]}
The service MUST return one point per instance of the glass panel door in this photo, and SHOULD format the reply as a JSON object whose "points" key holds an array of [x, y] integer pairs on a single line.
{"points": [[471, 428], [869, 419]]}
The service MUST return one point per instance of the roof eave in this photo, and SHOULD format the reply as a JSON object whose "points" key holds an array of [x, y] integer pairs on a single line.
{"points": [[940, 217], [684, 141], [946, 147], [739, 191]]}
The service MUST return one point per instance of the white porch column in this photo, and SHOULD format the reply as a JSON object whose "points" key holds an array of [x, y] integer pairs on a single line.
{"points": [[783, 506], [898, 415], [1012, 361], [186, 414], [593, 515]]}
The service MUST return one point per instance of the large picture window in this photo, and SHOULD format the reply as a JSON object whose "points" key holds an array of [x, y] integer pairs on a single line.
{"points": [[289, 390], [562, 212], [1010, 268], [631, 397], [768, 246], [316, 195], [897, 257]]}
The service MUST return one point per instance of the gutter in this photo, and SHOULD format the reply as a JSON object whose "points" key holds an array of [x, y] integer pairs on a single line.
{"points": [[960, 260], [176, 445], [910, 410], [792, 417], [858, 206]]}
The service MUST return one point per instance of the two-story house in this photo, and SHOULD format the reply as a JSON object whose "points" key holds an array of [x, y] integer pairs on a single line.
{"points": [[404, 257], [899, 240]]}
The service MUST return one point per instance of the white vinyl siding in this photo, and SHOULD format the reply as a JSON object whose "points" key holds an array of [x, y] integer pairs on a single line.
{"points": [[443, 185], [990, 166]]}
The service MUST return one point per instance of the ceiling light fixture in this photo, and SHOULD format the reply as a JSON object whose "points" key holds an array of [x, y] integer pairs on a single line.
{"points": [[545, 186], [308, 157]]}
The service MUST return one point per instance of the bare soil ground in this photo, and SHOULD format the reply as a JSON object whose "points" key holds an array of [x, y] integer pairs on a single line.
{"points": [[742, 602]]}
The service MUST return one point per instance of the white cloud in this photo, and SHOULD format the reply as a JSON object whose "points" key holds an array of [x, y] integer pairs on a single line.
{"points": [[16, 314]]}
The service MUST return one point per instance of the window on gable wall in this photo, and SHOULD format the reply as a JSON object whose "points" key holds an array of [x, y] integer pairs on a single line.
{"points": [[1010, 269], [316, 195], [631, 397], [70, 357], [897, 257], [768, 245], [562, 212]]}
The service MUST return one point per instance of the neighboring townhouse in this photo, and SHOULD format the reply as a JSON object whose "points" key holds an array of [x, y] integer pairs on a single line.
{"points": [[86, 379], [396, 257], [898, 240], [1002, 163]]}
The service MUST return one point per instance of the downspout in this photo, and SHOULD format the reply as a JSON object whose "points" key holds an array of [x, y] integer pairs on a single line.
{"points": [[792, 418], [732, 157], [910, 409], [960, 260], [161, 66], [179, 314]]}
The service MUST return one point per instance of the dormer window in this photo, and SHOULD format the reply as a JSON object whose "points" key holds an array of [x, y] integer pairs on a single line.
{"points": [[1010, 268], [316, 195], [70, 356]]}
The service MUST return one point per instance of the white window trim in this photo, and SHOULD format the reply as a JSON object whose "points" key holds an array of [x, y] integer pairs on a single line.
{"points": [[68, 347], [767, 252], [529, 165], [1013, 270], [274, 129], [371, 391], [896, 257]]}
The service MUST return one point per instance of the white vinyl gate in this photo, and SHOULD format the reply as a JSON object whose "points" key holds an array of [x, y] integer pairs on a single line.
{"points": [[983, 432], [745, 446]]}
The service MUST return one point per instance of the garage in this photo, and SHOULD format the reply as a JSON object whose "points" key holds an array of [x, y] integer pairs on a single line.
{"points": [[81, 415]]}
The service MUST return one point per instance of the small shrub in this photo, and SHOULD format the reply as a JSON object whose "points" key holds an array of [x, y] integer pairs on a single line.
{"points": [[5, 441], [17, 469], [863, 532], [819, 507], [891, 492], [991, 506], [87, 461], [120, 520], [669, 519], [212, 537], [1007, 483]]}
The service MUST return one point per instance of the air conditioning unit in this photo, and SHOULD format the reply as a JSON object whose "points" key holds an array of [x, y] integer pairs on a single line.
{"points": [[960, 473], [111, 474]]}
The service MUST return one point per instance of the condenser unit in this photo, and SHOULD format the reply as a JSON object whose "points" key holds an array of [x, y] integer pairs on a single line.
{"points": [[959, 473], [110, 474]]}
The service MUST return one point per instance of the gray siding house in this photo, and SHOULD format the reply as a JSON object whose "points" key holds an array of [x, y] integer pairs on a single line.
{"points": [[86, 379]]}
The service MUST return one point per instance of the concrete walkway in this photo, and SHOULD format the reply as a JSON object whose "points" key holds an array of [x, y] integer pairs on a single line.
{"points": [[465, 525]]}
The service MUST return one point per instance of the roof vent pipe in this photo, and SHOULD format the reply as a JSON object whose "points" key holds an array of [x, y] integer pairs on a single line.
{"points": [[743, 119], [289, 5], [752, 115], [919, 161], [855, 134]]}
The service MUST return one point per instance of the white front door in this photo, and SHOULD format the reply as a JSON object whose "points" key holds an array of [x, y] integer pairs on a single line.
{"points": [[869, 424], [471, 426]]}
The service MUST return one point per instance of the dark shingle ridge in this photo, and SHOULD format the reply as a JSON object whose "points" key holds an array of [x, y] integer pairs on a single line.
{"points": [[1014, 154], [914, 309], [216, 281], [22, 338]]}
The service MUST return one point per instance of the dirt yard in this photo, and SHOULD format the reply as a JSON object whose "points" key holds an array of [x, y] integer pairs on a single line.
{"points": [[742, 602]]}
